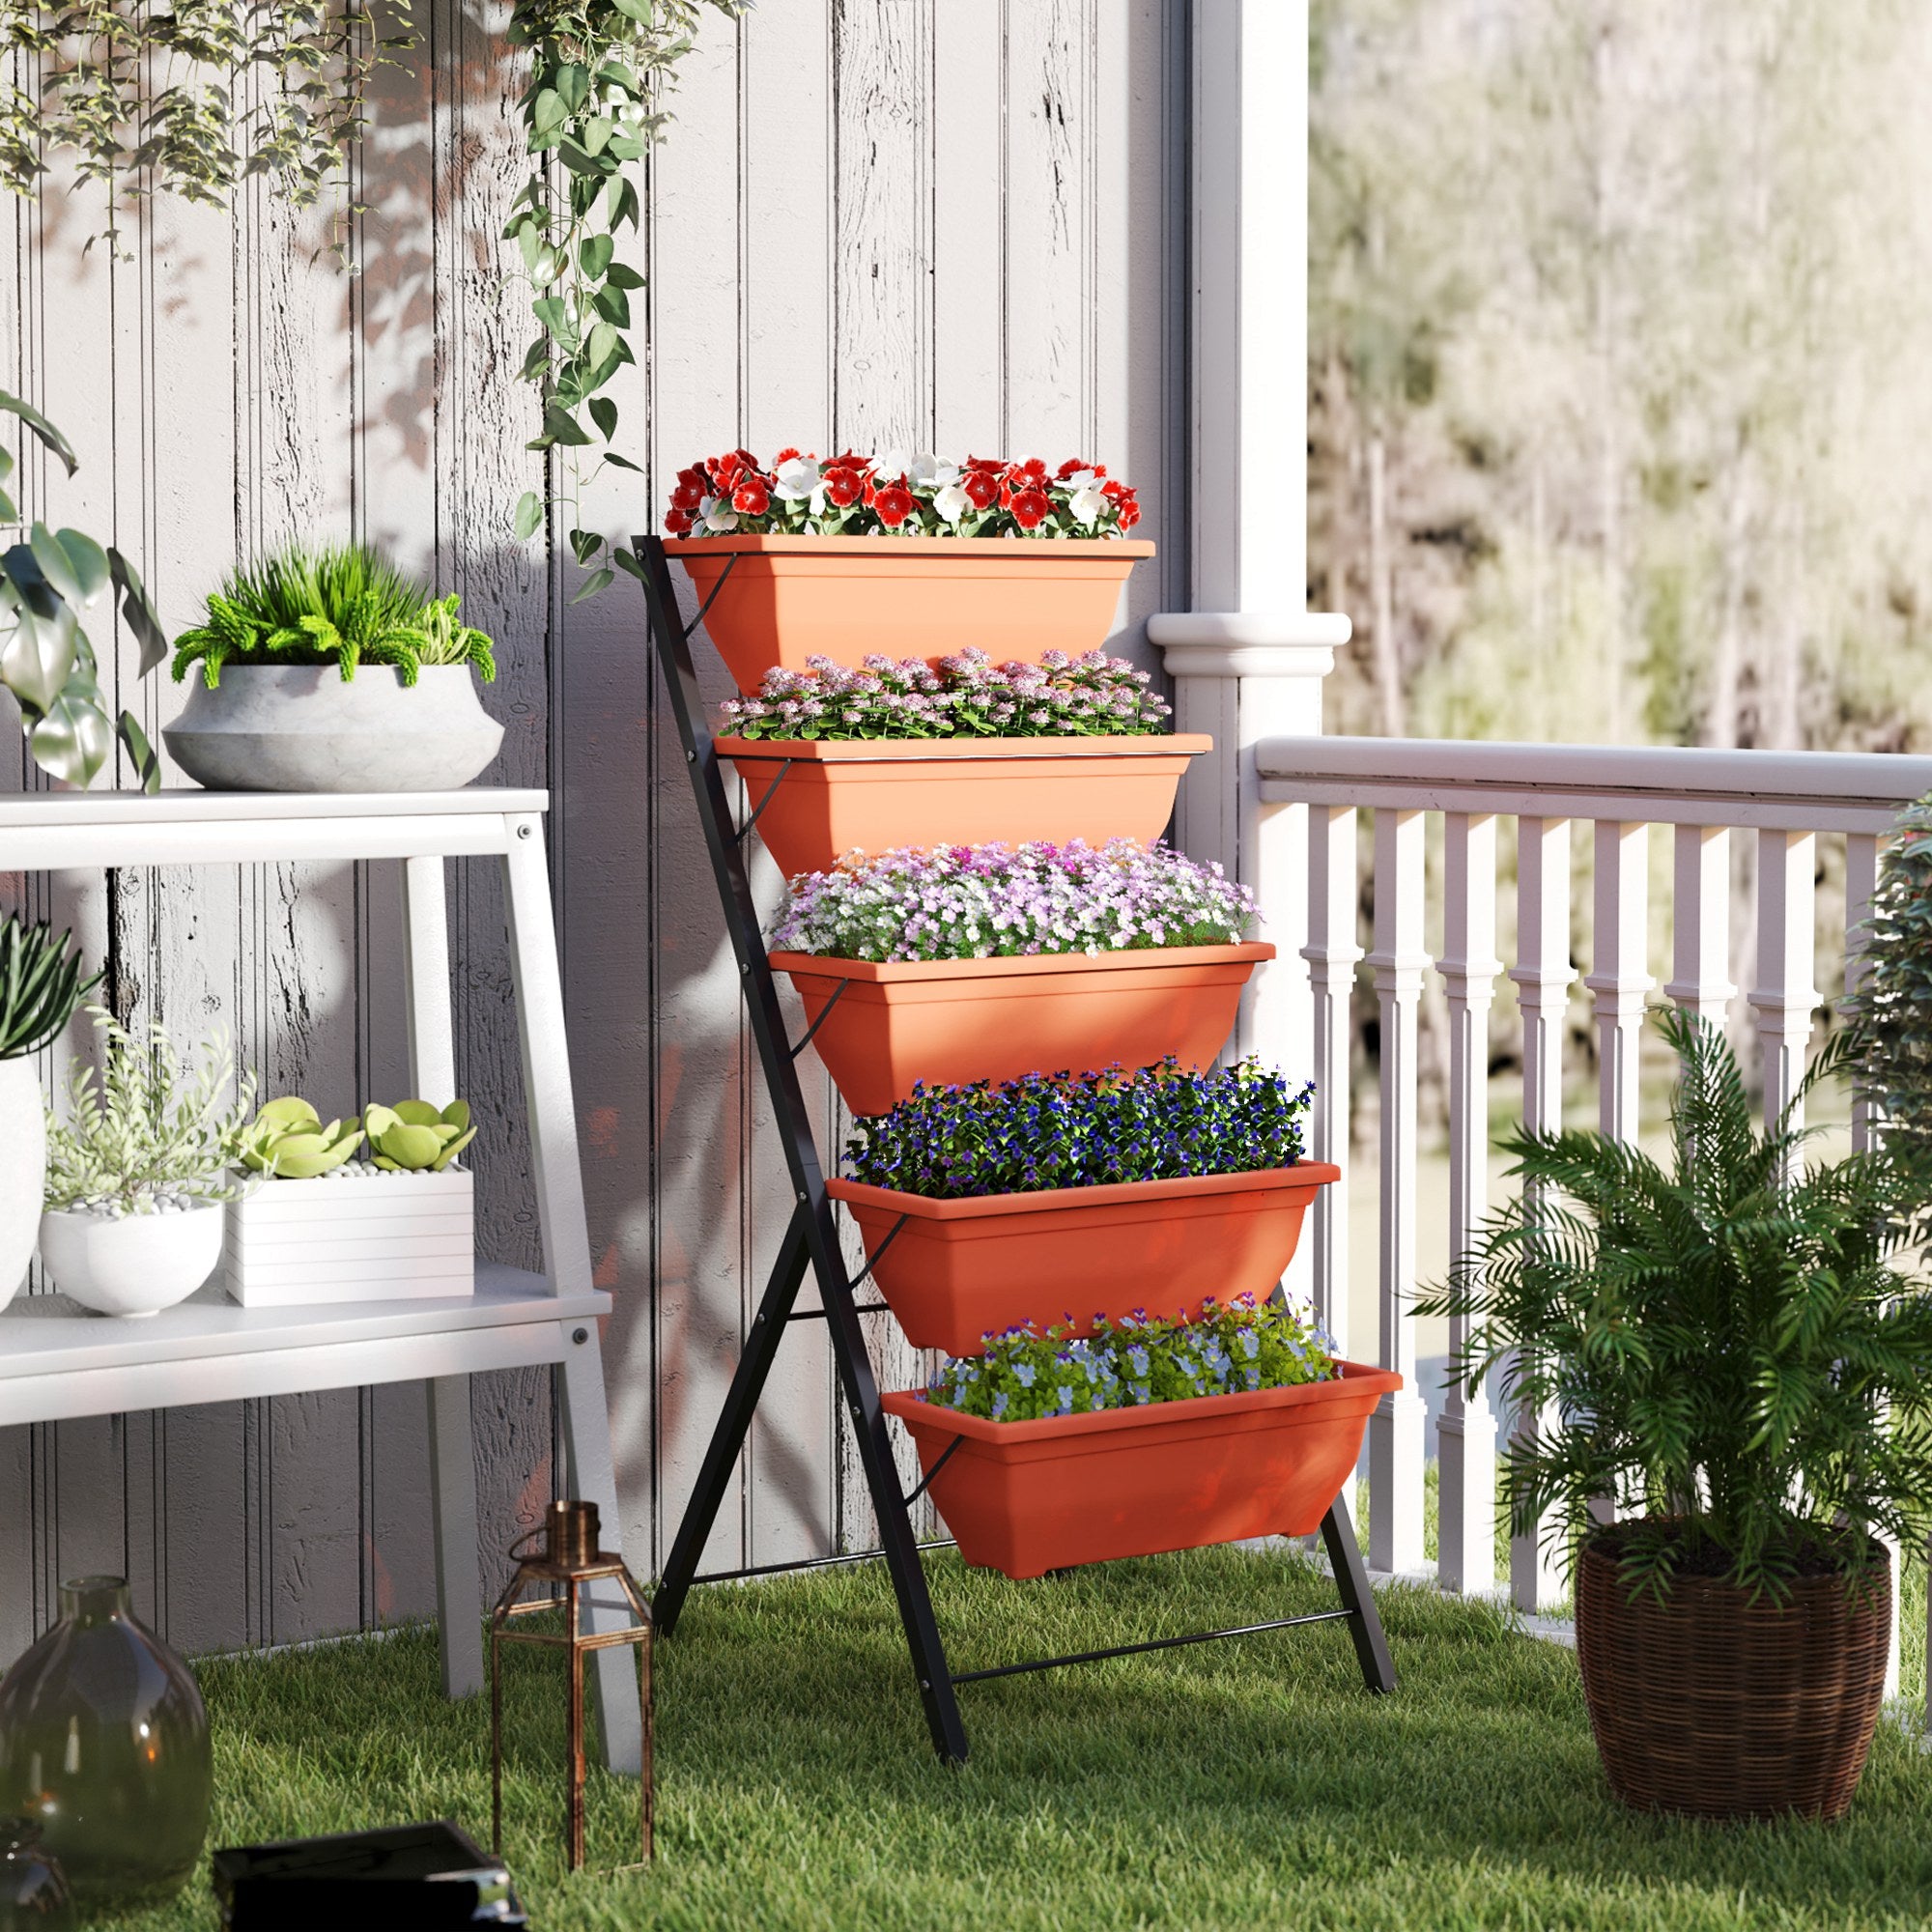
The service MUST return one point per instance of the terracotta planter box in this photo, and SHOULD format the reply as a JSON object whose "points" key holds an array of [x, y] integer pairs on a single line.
{"points": [[961, 1269], [790, 598], [1026, 1497], [875, 794], [948, 1021], [384, 1237]]}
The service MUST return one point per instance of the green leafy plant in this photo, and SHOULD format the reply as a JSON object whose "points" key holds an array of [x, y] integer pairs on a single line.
{"points": [[150, 1133], [39, 985], [51, 586], [164, 99], [1892, 1016], [1024, 1373], [1725, 1342], [415, 1137], [344, 605], [591, 112], [289, 1141]]}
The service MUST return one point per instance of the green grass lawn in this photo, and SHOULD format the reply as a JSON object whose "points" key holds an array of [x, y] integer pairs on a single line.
{"points": [[1241, 1784]]}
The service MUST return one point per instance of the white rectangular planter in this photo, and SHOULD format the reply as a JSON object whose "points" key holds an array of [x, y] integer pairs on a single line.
{"points": [[386, 1237]]}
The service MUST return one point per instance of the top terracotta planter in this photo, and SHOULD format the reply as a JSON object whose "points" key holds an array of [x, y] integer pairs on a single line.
{"points": [[790, 598]]}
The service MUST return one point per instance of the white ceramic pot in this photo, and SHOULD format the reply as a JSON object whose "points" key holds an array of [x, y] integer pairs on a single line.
{"points": [[305, 728], [24, 1170], [136, 1266]]}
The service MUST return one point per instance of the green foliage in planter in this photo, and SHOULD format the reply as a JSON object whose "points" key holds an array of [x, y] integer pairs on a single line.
{"points": [[40, 986], [344, 604], [289, 1140], [51, 586], [1892, 1016], [189, 98], [147, 1128], [1724, 1343], [1024, 1375], [415, 1137], [591, 112]]}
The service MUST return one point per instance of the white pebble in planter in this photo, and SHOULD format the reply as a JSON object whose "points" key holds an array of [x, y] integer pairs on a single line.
{"points": [[133, 1265]]}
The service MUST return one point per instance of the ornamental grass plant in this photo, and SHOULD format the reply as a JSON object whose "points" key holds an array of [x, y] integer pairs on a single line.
{"points": [[1025, 1375], [996, 901], [967, 697], [1050, 1130]]}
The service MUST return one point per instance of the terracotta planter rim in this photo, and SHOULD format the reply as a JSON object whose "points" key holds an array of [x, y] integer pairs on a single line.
{"points": [[1012, 965], [802, 544], [1311, 1174], [954, 750], [1355, 1378]]}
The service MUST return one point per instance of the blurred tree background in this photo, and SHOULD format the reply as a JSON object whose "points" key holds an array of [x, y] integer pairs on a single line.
{"points": [[1620, 431]]}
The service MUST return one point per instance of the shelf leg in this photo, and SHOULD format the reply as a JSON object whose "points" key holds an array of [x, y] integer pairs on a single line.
{"points": [[1352, 1581], [452, 1482]]}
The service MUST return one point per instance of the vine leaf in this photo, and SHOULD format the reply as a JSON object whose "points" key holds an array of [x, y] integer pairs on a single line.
{"points": [[529, 514]]}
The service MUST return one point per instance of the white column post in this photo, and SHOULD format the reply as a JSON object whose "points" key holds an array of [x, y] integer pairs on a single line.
{"points": [[1465, 1434]]}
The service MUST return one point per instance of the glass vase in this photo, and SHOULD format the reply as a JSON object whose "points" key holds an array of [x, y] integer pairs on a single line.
{"points": [[103, 1745], [33, 1892]]}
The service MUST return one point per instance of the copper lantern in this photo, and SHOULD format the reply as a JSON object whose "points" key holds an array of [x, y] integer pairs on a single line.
{"points": [[569, 1564]]}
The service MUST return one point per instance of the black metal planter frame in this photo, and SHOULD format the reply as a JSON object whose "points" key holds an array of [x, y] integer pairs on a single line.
{"points": [[812, 1240]]}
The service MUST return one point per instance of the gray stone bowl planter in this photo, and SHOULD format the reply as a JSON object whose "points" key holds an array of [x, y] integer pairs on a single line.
{"points": [[304, 727]]}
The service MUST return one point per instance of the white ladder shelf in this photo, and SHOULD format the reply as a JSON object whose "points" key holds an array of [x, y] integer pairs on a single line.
{"points": [[58, 1362]]}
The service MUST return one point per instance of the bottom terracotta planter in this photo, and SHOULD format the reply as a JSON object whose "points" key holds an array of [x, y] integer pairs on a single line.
{"points": [[1026, 1497], [961, 1269]]}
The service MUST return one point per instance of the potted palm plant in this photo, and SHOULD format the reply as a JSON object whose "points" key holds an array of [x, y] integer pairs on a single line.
{"points": [[856, 554], [331, 671], [40, 987], [1730, 1346], [986, 963]]}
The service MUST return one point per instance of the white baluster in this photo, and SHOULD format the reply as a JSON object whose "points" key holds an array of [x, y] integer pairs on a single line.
{"points": [[1701, 923], [1784, 997], [1396, 1429], [1331, 955], [1618, 977], [1543, 991], [1467, 1433]]}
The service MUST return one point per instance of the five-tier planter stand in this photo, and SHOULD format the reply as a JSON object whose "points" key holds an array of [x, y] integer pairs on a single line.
{"points": [[812, 1240]]}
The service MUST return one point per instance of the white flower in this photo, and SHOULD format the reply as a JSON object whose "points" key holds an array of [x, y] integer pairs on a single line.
{"points": [[797, 478], [1081, 480], [931, 472], [891, 464], [716, 515], [1089, 501], [952, 502]]}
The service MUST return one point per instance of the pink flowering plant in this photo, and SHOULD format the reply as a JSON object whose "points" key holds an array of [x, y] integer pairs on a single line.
{"points": [[967, 697], [1025, 1375], [995, 901], [898, 494], [1048, 1130]]}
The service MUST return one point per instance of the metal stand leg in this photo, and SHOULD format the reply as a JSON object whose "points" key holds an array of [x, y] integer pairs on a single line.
{"points": [[1351, 1581], [452, 1479]]}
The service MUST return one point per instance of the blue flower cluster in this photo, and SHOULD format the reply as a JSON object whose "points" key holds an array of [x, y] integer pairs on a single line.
{"points": [[1082, 1130], [1024, 1375]]}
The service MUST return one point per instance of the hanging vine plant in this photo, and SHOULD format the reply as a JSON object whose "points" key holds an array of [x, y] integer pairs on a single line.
{"points": [[188, 97], [591, 110]]}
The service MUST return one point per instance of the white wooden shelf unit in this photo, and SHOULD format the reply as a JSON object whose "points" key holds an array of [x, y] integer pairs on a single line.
{"points": [[58, 1362]]}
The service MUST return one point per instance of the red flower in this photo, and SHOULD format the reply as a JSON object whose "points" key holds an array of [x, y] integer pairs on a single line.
{"points": [[1129, 510], [693, 487], [784, 455], [1030, 508], [1031, 470], [1072, 466], [678, 522], [981, 486], [894, 504], [843, 486], [752, 498]]}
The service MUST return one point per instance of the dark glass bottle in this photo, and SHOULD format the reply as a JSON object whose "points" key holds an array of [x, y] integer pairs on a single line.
{"points": [[33, 1893], [103, 1745]]}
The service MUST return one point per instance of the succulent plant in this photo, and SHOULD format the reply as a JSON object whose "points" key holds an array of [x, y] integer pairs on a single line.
{"points": [[288, 1139], [415, 1137], [40, 986]]}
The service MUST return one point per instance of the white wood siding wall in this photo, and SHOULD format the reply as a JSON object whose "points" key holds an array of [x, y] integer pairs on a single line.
{"points": [[955, 223]]}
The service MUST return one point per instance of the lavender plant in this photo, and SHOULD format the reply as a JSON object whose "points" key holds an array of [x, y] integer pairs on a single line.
{"points": [[1082, 1130], [994, 901], [1024, 1375], [967, 697]]}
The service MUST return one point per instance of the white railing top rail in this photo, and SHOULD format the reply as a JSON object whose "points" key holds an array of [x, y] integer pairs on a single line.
{"points": [[1661, 785]]}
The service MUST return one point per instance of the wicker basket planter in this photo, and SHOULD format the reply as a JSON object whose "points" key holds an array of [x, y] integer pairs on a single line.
{"points": [[1717, 1707], [961, 1269], [790, 598], [834, 796], [1026, 1497], [949, 1021]]}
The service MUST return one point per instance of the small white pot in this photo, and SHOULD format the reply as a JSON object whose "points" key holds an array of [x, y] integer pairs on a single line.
{"points": [[135, 1266], [24, 1170], [306, 727]]}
